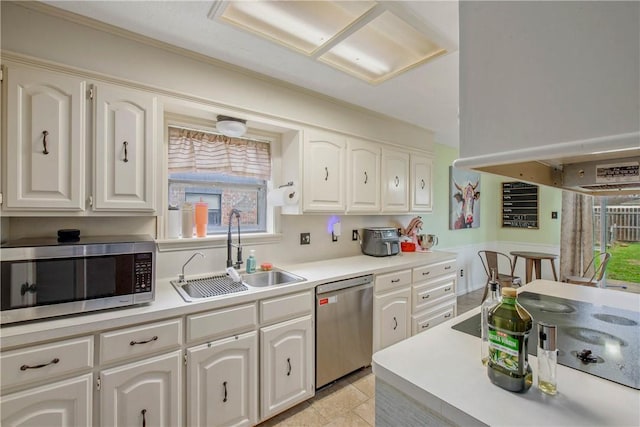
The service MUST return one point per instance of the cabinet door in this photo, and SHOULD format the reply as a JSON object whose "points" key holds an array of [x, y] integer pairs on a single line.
{"points": [[222, 382], [64, 403], [391, 318], [148, 392], [395, 181], [421, 184], [323, 188], [363, 177], [125, 157], [286, 374], [45, 140]]}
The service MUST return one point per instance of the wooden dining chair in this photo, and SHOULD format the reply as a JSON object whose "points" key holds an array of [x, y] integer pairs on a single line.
{"points": [[598, 272], [490, 261]]}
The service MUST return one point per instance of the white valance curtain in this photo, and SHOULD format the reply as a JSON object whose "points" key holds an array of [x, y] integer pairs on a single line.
{"points": [[197, 151]]}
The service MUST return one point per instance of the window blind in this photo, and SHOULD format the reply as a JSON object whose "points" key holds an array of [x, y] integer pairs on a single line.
{"points": [[198, 151]]}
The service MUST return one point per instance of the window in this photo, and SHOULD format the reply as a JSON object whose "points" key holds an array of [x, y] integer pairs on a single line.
{"points": [[224, 172]]}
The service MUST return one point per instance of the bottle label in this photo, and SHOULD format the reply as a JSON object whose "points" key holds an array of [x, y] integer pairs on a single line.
{"points": [[504, 350]]}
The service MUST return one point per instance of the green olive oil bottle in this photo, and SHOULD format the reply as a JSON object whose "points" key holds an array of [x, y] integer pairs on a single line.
{"points": [[509, 325]]}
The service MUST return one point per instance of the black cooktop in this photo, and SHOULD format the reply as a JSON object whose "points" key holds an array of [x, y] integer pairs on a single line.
{"points": [[599, 340]]}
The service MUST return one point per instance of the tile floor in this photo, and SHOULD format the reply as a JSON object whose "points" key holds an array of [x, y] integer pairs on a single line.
{"points": [[351, 400]]}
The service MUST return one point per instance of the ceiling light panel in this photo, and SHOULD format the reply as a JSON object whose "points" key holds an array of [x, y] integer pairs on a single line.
{"points": [[300, 25], [383, 48]]}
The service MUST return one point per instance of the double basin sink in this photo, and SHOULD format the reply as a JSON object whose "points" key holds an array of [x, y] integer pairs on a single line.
{"points": [[206, 287]]}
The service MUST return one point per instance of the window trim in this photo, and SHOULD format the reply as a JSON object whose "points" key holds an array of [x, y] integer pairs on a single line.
{"points": [[270, 236]]}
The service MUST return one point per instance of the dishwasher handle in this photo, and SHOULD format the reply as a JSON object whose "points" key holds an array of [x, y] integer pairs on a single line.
{"points": [[345, 284]]}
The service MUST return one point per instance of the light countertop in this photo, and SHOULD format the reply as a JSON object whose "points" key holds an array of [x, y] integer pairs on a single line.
{"points": [[168, 302], [441, 369]]}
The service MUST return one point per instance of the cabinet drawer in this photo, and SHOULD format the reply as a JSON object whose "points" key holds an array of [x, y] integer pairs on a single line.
{"points": [[433, 317], [433, 292], [140, 340], [285, 307], [388, 281], [431, 271], [220, 323], [46, 361]]}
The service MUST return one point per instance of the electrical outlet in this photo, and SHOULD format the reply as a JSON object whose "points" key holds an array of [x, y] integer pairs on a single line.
{"points": [[461, 272], [305, 238], [554, 215], [354, 235]]}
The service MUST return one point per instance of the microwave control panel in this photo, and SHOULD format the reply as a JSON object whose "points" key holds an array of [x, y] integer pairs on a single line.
{"points": [[143, 272]]}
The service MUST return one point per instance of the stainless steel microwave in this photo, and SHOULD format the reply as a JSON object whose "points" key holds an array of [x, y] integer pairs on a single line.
{"points": [[42, 278]]}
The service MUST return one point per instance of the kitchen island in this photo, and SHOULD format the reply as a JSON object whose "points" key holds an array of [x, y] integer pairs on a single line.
{"points": [[436, 378]]}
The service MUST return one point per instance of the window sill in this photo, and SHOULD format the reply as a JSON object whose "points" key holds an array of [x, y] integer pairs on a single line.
{"points": [[179, 244]]}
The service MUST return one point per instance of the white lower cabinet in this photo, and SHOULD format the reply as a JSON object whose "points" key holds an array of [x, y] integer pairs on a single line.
{"points": [[61, 404], [286, 374], [433, 295], [222, 382], [144, 393], [430, 318], [391, 315]]}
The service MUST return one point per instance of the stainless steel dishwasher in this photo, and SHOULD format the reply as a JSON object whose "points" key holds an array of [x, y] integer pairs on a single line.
{"points": [[344, 327]]}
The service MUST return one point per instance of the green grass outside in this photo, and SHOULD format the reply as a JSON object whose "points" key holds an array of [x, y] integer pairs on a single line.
{"points": [[625, 262]]}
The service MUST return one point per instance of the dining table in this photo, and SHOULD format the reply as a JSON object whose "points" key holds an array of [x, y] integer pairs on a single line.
{"points": [[533, 261]]}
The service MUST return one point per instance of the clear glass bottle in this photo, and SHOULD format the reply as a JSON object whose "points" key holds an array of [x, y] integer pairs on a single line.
{"points": [[493, 299], [509, 328], [547, 358], [251, 261]]}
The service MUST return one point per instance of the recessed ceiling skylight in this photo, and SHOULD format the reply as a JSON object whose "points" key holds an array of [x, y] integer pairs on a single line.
{"points": [[362, 38]]}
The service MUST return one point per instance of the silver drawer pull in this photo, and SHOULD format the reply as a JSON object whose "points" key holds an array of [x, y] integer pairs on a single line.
{"points": [[425, 326], [154, 338], [426, 273], [448, 267], [425, 296], [446, 316], [395, 280], [447, 289], [53, 362]]}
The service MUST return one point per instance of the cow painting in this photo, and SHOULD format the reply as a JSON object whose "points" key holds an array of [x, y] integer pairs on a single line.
{"points": [[465, 195]]}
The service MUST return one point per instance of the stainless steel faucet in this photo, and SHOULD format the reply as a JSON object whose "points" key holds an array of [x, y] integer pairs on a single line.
{"points": [[230, 262], [181, 275]]}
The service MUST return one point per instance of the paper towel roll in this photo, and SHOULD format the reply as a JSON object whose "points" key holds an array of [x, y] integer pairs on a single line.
{"points": [[288, 195]]}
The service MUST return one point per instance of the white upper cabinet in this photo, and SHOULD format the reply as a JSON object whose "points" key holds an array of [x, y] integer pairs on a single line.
{"points": [[324, 180], [363, 176], [45, 140], [47, 144], [421, 188], [395, 180], [124, 154]]}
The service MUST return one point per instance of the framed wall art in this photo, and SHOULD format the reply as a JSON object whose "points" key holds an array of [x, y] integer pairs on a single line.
{"points": [[464, 208]]}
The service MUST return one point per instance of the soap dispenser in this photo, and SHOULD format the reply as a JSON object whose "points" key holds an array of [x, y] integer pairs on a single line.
{"points": [[251, 261]]}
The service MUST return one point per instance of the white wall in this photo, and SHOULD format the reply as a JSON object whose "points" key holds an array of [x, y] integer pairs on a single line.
{"points": [[535, 73]]}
